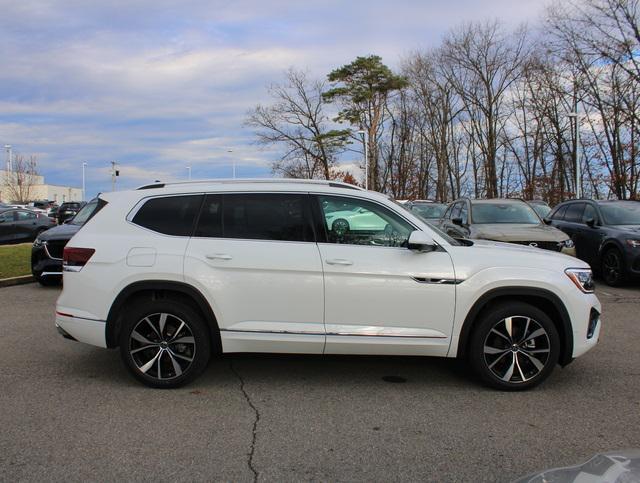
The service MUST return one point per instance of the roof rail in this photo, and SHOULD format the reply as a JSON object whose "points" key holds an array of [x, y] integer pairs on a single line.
{"points": [[334, 184]]}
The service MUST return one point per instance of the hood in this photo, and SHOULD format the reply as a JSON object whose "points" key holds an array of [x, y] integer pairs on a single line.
{"points": [[60, 232], [511, 232]]}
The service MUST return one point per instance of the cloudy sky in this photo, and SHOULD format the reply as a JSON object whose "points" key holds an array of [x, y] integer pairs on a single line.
{"points": [[160, 85]]}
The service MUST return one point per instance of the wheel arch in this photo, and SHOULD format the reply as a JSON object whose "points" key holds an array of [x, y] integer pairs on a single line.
{"points": [[160, 289], [611, 243], [541, 298]]}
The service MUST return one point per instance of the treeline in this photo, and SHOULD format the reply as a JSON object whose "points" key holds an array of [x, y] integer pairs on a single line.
{"points": [[488, 113]]}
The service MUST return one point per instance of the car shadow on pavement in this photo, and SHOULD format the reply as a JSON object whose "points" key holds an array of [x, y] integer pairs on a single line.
{"points": [[283, 369]]}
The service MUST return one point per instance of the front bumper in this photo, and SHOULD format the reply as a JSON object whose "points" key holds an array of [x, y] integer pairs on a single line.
{"points": [[85, 330], [43, 265], [585, 337]]}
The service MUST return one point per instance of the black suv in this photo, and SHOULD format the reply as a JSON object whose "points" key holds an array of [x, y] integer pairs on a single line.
{"points": [[46, 253], [606, 235]]}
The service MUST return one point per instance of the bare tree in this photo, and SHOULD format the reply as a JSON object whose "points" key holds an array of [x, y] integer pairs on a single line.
{"points": [[482, 63], [18, 184], [297, 121]]}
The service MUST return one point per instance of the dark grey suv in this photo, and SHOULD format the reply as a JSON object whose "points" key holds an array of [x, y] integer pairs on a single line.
{"points": [[606, 235]]}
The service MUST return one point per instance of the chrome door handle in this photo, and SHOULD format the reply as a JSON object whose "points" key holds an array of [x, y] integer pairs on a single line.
{"points": [[339, 261], [218, 256]]}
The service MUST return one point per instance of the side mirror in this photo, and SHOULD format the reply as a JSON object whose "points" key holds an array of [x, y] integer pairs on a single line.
{"points": [[590, 222], [420, 241], [547, 221], [457, 221]]}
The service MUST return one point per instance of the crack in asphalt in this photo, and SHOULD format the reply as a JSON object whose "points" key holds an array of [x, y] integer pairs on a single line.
{"points": [[255, 422]]}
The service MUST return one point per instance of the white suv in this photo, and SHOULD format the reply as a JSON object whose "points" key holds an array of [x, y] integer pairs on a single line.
{"points": [[175, 273]]}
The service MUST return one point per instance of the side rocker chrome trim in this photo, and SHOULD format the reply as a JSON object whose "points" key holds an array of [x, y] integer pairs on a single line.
{"points": [[343, 334]]}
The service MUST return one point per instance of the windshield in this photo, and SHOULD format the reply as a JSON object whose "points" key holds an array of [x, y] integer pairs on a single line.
{"points": [[520, 213], [85, 213], [542, 210], [621, 213], [429, 211]]}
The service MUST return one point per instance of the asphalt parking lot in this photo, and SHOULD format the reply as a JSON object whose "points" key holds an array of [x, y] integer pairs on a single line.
{"points": [[70, 411]]}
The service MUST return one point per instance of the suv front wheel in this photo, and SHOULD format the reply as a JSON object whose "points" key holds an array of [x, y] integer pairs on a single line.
{"points": [[514, 346], [164, 344]]}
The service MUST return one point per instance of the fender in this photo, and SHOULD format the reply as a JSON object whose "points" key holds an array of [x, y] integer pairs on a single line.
{"points": [[158, 285], [610, 242], [563, 323]]}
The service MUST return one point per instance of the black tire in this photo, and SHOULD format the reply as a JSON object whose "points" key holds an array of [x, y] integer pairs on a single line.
{"points": [[510, 359], [180, 356], [612, 267], [50, 281], [340, 227]]}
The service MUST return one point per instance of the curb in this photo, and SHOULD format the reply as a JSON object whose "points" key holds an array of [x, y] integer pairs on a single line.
{"points": [[8, 282]]}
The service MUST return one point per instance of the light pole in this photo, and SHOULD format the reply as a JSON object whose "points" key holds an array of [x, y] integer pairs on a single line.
{"points": [[366, 158], [189, 170], [114, 173], [577, 170], [233, 159], [9, 162], [84, 195]]}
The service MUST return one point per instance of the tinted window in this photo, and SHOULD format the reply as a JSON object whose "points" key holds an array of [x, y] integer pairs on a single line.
{"points": [[574, 212], [589, 213], [359, 222], [210, 222], [25, 215], [267, 216], [559, 213], [6, 216], [171, 215]]}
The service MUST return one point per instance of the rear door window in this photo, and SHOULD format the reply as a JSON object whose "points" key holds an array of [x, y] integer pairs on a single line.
{"points": [[170, 215], [267, 216]]}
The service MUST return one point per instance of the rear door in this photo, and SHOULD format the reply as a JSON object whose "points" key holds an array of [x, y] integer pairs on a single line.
{"points": [[254, 256], [381, 297]]}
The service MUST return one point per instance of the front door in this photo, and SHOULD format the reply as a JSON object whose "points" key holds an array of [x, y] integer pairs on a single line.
{"points": [[381, 297]]}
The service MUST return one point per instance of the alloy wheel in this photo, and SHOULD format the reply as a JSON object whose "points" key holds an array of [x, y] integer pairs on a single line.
{"points": [[612, 268], [162, 346], [517, 349]]}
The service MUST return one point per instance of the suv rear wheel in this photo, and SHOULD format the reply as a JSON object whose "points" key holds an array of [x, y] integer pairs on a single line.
{"points": [[164, 344], [515, 346]]}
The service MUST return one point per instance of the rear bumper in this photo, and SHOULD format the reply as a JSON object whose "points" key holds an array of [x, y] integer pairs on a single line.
{"points": [[84, 330]]}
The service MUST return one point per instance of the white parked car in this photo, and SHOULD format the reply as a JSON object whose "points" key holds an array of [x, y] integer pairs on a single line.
{"points": [[174, 273]]}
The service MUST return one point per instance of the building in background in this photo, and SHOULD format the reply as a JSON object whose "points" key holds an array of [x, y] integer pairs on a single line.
{"points": [[38, 190]]}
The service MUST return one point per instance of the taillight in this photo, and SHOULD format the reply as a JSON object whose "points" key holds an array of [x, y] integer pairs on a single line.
{"points": [[73, 259]]}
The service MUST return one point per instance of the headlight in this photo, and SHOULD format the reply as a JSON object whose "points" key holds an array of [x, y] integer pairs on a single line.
{"points": [[568, 243], [582, 278], [633, 243]]}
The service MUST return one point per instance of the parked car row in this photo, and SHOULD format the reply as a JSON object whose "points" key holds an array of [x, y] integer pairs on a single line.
{"points": [[605, 234]]}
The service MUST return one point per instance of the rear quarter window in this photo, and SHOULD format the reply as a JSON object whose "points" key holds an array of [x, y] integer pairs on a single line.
{"points": [[169, 215]]}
